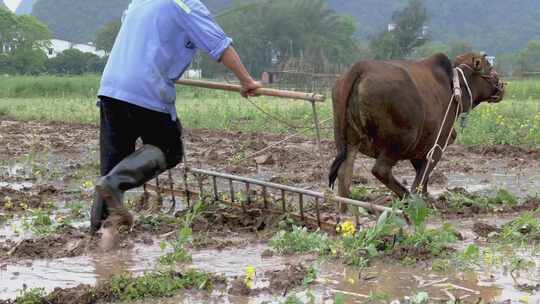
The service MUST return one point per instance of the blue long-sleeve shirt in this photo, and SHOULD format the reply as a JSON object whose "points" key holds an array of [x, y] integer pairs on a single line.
{"points": [[155, 46]]}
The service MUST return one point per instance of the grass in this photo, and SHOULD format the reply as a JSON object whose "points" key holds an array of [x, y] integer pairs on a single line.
{"points": [[514, 121]]}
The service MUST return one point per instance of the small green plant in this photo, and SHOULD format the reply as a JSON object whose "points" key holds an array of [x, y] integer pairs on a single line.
{"points": [[40, 222], [339, 298], [310, 277], [420, 298], [300, 240], [365, 244], [523, 229], [160, 284], [30, 296], [503, 197], [78, 210], [293, 299], [377, 296], [183, 238], [434, 240]]}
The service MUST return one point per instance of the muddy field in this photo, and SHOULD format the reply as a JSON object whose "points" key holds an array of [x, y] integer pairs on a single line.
{"points": [[50, 166]]}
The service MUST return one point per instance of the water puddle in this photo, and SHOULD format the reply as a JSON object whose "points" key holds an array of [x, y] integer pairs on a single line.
{"points": [[492, 283]]}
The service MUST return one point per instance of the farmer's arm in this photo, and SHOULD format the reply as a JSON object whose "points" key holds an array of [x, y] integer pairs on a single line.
{"points": [[231, 60], [208, 36]]}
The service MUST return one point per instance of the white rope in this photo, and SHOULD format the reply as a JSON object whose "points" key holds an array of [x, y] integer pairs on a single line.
{"points": [[456, 96]]}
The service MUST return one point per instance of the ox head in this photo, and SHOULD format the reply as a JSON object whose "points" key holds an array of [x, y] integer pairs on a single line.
{"points": [[484, 82]]}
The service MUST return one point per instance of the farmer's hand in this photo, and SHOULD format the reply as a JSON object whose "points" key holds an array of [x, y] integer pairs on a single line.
{"points": [[249, 88]]}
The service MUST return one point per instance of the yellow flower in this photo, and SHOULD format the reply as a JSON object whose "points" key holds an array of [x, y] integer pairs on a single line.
{"points": [[250, 276], [524, 299], [346, 229], [351, 280], [8, 204], [88, 185]]}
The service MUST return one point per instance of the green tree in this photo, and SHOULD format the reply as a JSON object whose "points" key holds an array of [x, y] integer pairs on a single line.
{"points": [[21, 41], [31, 33], [106, 36], [8, 26], [281, 33], [27, 61], [407, 35], [529, 58], [429, 49], [72, 62]]}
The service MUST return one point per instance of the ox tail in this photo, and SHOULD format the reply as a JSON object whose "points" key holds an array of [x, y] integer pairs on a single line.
{"points": [[340, 97], [336, 164]]}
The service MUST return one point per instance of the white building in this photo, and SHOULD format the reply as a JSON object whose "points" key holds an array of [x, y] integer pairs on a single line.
{"points": [[57, 46]]}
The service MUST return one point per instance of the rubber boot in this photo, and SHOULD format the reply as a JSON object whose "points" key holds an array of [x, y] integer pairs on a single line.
{"points": [[98, 213], [133, 171]]}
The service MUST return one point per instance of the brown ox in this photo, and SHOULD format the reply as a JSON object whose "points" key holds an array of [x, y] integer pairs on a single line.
{"points": [[393, 111]]}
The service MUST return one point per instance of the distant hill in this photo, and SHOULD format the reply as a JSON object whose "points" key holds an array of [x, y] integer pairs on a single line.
{"points": [[25, 7], [495, 26]]}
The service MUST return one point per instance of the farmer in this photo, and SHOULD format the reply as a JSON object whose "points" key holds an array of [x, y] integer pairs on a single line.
{"points": [[156, 44]]}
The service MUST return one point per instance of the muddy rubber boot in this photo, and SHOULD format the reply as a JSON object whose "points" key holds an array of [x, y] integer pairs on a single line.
{"points": [[133, 171], [98, 213]]}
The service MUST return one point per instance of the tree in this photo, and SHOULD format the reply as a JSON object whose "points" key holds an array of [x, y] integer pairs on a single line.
{"points": [[31, 33], [72, 62], [8, 25], [407, 35], [430, 49], [529, 58], [106, 36], [27, 61], [21, 42], [280, 33]]}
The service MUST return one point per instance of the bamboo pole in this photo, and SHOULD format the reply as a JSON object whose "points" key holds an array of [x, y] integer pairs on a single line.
{"points": [[263, 91]]}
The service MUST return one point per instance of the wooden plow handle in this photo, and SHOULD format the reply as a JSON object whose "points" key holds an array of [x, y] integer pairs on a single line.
{"points": [[263, 91]]}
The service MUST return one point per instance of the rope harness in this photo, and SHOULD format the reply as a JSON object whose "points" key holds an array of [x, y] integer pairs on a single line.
{"points": [[456, 96]]}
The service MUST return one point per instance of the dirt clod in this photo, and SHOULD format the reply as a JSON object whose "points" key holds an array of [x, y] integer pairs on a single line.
{"points": [[282, 281], [483, 229]]}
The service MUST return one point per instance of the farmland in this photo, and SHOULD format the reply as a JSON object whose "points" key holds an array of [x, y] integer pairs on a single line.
{"points": [[475, 237]]}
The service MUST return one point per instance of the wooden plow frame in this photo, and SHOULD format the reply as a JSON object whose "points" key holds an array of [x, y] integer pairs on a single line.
{"points": [[223, 190]]}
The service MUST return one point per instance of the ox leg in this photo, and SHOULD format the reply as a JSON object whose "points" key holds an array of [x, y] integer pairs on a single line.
{"points": [[345, 175], [382, 170], [419, 166], [428, 167]]}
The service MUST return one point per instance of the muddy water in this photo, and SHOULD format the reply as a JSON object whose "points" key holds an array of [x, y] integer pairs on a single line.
{"points": [[70, 272], [492, 283]]}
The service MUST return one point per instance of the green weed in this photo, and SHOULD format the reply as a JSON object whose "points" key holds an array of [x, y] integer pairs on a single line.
{"points": [[160, 284], [30, 296], [184, 237], [310, 277], [524, 229], [300, 240], [40, 222]]}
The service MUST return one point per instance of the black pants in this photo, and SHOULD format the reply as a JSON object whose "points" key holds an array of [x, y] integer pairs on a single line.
{"points": [[122, 123]]}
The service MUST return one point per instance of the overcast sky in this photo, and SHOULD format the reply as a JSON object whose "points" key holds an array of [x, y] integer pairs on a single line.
{"points": [[12, 4]]}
